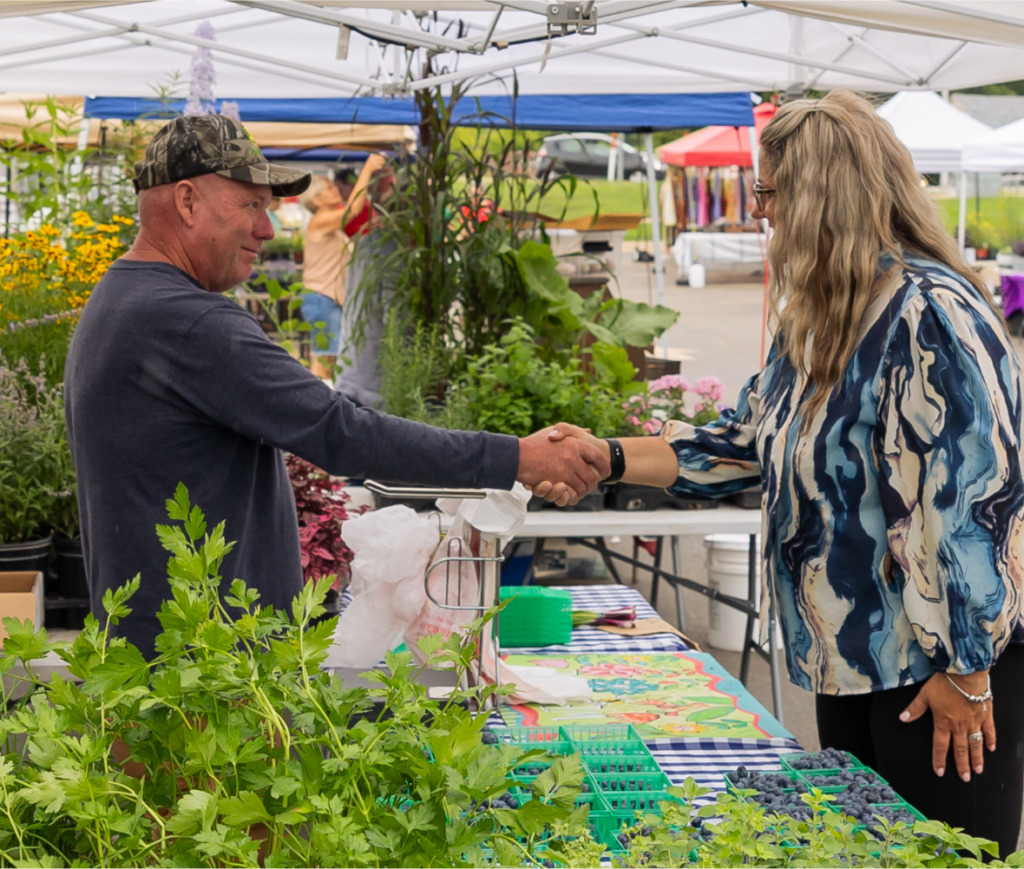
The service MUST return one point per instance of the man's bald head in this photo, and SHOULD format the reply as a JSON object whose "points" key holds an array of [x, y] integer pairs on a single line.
{"points": [[209, 226]]}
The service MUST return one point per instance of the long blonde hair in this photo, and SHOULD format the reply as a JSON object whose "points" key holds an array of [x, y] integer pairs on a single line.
{"points": [[846, 192]]}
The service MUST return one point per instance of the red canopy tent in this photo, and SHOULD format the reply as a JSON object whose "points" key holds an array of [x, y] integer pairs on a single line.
{"points": [[717, 146]]}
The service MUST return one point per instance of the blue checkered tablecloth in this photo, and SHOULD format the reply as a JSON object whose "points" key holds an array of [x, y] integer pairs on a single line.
{"points": [[586, 639], [707, 760]]}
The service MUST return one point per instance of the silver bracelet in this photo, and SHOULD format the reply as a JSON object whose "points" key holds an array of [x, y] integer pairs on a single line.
{"points": [[974, 698]]}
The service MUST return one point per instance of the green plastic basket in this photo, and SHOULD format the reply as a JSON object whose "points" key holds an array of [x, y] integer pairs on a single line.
{"points": [[535, 616], [621, 764], [631, 782]]}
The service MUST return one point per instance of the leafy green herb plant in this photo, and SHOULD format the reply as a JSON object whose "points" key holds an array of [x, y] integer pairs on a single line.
{"points": [[234, 748], [37, 475]]}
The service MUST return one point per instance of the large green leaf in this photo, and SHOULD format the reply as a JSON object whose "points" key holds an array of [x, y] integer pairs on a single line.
{"points": [[612, 365], [637, 324], [539, 268]]}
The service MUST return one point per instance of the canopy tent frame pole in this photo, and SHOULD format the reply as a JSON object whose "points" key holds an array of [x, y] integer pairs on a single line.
{"points": [[610, 14], [130, 40], [392, 33], [664, 64], [674, 33], [870, 49], [961, 224], [228, 49], [659, 260], [967, 12]]}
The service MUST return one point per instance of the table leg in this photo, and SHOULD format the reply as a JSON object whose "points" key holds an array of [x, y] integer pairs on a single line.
{"points": [[602, 547], [655, 578], [749, 643], [538, 548], [680, 613], [773, 663]]}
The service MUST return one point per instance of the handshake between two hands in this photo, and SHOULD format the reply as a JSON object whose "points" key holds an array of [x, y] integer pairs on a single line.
{"points": [[562, 463]]}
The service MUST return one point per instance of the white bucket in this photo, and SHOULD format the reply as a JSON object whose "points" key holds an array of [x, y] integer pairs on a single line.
{"points": [[728, 572], [697, 277]]}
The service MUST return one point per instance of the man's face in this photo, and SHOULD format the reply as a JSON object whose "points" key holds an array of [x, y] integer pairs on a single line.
{"points": [[229, 225]]}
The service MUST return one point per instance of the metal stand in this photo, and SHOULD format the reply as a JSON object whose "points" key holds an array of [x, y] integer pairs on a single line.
{"points": [[488, 575]]}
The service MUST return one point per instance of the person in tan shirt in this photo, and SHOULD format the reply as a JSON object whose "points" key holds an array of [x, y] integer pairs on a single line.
{"points": [[326, 254], [325, 262]]}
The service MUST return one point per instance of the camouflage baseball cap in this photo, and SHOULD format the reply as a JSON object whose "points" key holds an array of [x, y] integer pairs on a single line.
{"points": [[191, 146]]}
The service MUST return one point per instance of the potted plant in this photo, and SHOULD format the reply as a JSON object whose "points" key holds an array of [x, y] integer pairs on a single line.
{"points": [[233, 747], [35, 468], [322, 505]]}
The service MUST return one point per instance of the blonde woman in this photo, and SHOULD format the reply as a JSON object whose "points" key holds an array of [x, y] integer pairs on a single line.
{"points": [[886, 431], [324, 264]]}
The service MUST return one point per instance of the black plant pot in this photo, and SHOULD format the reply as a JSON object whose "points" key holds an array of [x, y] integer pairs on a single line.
{"points": [[631, 497], [67, 597], [30, 555], [70, 568]]}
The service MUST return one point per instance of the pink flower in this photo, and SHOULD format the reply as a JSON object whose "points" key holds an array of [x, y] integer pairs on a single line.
{"points": [[650, 426], [710, 388], [633, 420], [668, 381]]}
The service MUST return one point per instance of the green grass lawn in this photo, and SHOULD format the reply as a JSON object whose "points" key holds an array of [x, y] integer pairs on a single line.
{"points": [[615, 197], [1001, 224]]}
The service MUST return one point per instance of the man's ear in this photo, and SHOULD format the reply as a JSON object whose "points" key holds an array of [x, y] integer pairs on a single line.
{"points": [[186, 200]]}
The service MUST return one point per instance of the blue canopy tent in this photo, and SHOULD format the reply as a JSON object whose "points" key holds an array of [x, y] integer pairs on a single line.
{"points": [[619, 113]]}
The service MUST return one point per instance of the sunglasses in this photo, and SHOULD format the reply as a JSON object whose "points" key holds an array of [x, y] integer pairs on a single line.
{"points": [[761, 194]]}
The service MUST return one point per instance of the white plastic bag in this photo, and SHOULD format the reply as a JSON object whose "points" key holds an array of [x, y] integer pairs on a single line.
{"points": [[391, 548]]}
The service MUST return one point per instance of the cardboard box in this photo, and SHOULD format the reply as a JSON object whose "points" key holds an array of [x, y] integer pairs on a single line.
{"points": [[21, 596]]}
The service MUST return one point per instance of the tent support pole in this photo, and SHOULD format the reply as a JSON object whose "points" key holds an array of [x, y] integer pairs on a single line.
{"points": [[659, 262], [961, 225]]}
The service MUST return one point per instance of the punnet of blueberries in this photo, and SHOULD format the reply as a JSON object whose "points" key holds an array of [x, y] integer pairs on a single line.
{"points": [[827, 758], [765, 782], [861, 804]]}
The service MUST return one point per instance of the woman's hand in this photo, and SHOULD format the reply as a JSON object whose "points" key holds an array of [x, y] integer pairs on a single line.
{"points": [[956, 718], [650, 461]]}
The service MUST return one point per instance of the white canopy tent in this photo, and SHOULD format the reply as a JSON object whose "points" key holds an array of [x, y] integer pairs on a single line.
{"points": [[290, 48], [999, 150], [935, 132], [319, 48], [933, 129]]}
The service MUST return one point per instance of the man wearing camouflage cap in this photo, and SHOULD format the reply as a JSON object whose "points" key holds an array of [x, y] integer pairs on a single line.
{"points": [[166, 381]]}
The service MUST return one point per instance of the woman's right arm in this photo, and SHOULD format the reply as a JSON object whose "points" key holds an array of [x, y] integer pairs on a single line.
{"points": [[720, 458], [714, 460]]}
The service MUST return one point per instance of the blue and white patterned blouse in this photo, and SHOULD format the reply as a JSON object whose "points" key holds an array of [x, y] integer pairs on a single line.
{"points": [[893, 529]]}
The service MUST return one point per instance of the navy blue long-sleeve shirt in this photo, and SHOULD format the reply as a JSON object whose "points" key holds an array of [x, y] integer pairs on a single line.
{"points": [[166, 383]]}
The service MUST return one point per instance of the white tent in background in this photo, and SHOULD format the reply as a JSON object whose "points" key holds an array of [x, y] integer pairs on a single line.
{"points": [[999, 150], [933, 129], [936, 133]]}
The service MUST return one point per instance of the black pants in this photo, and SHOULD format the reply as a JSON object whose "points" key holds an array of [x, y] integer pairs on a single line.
{"points": [[989, 806]]}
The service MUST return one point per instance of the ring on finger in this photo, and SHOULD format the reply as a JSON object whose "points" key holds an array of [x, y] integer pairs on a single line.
{"points": [[977, 736]]}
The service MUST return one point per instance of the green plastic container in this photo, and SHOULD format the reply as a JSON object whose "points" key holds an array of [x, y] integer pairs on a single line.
{"points": [[621, 764], [535, 616], [629, 783]]}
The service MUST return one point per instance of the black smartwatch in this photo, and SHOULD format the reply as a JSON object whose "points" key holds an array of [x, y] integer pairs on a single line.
{"points": [[617, 457]]}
